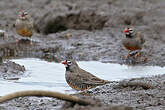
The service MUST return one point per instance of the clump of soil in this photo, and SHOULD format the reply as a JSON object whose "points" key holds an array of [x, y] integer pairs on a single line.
{"points": [[32, 103], [11, 70], [96, 105], [82, 20]]}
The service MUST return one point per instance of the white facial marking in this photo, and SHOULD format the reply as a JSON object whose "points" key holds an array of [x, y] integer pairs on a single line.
{"points": [[69, 62]]}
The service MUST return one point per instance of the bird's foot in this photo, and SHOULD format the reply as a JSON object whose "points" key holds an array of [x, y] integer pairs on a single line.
{"points": [[130, 54], [146, 59], [131, 58], [127, 57], [136, 55]]}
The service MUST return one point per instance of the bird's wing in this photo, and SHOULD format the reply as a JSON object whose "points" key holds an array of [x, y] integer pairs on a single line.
{"points": [[141, 37], [88, 78]]}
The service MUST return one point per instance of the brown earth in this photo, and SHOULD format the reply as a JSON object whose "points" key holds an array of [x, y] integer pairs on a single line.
{"points": [[88, 30]]}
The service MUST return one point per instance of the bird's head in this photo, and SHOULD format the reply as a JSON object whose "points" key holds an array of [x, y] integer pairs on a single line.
{"points": [[23, 15], [128, 31], [70, 64]]}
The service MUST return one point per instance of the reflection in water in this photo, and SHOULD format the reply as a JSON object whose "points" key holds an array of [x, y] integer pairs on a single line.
{"points": [[43, 75]]}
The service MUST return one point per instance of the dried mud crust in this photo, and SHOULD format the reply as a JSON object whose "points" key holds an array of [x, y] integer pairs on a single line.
{"points": [[11, 71], [141, 93], [97, 37], [32, 103]]}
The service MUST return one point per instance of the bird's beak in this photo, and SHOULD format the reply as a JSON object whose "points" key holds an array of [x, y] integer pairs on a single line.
{"points": [[126, 30], [64, 62], [22, 15]]}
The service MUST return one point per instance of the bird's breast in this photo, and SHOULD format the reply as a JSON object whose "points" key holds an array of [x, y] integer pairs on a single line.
{"points": [[24, 28], [131, 44], [24, 32]]}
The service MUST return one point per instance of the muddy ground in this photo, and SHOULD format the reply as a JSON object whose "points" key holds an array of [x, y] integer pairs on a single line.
{"points": [[88, 30]]}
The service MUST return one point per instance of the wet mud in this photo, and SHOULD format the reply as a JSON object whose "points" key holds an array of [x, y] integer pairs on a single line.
{"points": [[86, 30]]}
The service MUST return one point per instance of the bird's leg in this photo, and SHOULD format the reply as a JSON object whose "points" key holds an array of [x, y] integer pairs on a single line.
{"points": [[84, 91], [31, 42], [137, 55], [17, 41], [129, 54]]}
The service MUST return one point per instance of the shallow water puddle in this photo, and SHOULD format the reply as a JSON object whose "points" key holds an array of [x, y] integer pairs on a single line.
{"points": [[43, 75]]}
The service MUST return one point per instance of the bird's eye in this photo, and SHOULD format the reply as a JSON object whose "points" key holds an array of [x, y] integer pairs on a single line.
{"points": [[25, 13], [130, 29], [69, 62]]}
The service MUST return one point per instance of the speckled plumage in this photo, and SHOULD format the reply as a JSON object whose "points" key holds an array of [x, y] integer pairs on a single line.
{"points": [[80, 79]]}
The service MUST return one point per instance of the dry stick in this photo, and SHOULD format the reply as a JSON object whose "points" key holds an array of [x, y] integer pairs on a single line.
{"points": [[58, 95]]}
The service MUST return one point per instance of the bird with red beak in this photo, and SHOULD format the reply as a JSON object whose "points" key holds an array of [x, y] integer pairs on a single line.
{"points": [[80, 79], [132, 41]]}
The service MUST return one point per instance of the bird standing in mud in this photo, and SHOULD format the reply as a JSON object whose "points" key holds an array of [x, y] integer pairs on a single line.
{"points": [[80, 79], [24, 25], [133, 41]]}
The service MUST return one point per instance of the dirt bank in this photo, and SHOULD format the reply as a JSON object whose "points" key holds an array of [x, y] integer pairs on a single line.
{"points": [[11, 71]]}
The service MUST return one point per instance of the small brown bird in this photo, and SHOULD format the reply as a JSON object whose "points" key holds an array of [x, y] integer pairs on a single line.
{"points": [[80, 79], [133, 41], [24, 25]]}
